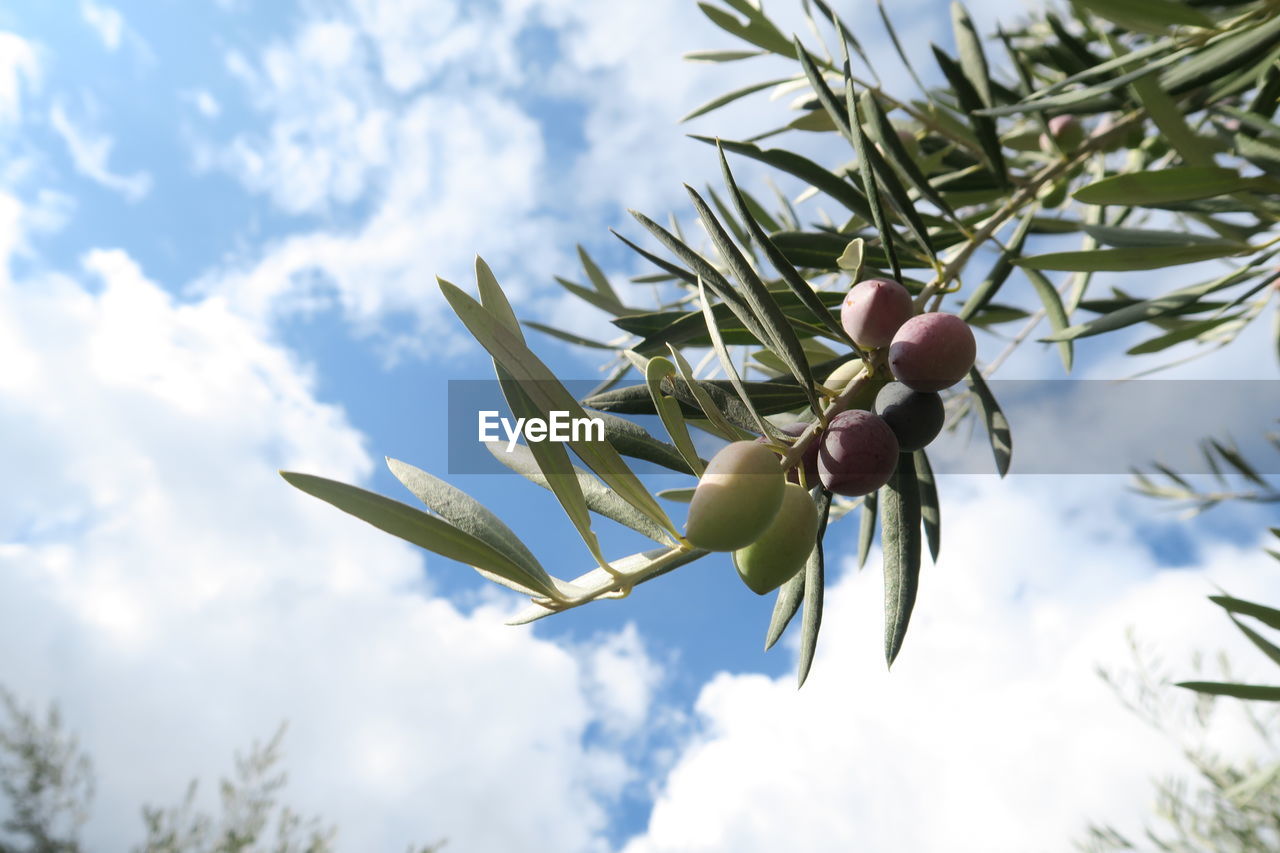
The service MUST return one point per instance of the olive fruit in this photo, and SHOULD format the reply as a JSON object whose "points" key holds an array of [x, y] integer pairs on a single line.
{"points": [[873, 310], [737, 497], [782, 549], [932, 351], [859, 452], [916, 417], [841, 376], [1066, 131]]}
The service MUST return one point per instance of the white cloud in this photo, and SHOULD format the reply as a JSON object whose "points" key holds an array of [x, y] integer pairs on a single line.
{"points": [[992, 732], [90, 151], [205, 103], [19, 69], [106, 22], [176, 597]]}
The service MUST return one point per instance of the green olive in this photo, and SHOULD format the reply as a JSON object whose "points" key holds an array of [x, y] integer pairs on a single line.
{"points": [[783, 548], [737, 497]]}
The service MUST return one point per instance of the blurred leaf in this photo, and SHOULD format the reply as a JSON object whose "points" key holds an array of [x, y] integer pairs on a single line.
{"points": [[1138, 258], [1147, 16], [973, 62], [468, 515], [1186, 333], [814, 584], [1239, 691], [757, 29], [999, 271], [680, 496], [1149, 309], [866, 527], [1264, 645], [900, 539], [1226, 54], [1168, 114], [568, 337], [730, 97], [1168, 185], [546, 392], [930, 509], [984, 127], [596, 276], [1110, 235], [421, 529], [1261, 154], [722, 55], [1268, 616], [598, 498], [1235, 460], [883, 132], [997, 424]]}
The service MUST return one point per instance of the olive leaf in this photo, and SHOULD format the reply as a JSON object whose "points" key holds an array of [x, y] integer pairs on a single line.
{"points": [[900, 542], [997, 424], [668, 409], [814, 585]]}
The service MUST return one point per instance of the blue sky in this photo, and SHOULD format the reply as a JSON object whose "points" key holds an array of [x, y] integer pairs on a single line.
{"points": [[220, 224]]}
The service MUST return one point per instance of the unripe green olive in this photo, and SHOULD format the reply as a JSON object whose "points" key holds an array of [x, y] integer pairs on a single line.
{"points": [[1067, 132], [783, 548], [841, 376], [737, 497]]}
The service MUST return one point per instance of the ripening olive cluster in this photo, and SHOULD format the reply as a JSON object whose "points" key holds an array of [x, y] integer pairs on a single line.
{"points": [[745, 504]]}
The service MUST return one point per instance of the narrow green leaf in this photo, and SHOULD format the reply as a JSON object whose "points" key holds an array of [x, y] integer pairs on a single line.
{"points": [[421, 529], [545, 391], [781, 337], [596, 276], [736, 94], [768, 398], [785, 606], [1180, 335], [997, 424], [803, 168], [897, 46], [884, 133], [668, 410], [494, 300], [721, 55], [1150, 309], [1258, 692], [930, 508], [1111, 235], [758, 30], [1236, 50], [568, 337], [1235, 460], [726, 361], [598, 498], [704, 400], [814, 585], [801, 288], [1264, 645], [1168, 114], [591, 297], [1148, 16], [468, 515], [984, 127], [1268, 616], [631, 439], [999, 271], [680, 496], [1165, 185], [866, 527], [1143, 258], [1054, 311], [900, 540], [973, 62]]}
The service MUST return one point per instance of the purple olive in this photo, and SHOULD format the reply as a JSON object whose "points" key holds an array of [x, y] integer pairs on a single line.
{"points": [[873, 311], [916, 417], [932, 352], [858, 455]]}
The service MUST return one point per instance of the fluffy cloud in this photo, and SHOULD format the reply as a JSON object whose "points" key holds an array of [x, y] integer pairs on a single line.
{"points": [[993, 731], [174, 595], [90, 152], [19, 68]]}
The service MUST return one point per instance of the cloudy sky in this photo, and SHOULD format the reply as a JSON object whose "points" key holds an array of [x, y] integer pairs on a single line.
{"points": [[220, 226]]}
